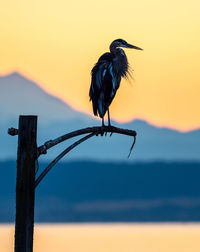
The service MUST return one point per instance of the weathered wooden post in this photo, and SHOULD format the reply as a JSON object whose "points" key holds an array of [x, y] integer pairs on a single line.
{"points": [[25, 188]]}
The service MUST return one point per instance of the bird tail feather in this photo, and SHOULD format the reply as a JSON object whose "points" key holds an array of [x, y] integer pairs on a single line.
{"points": [[100, 105]]}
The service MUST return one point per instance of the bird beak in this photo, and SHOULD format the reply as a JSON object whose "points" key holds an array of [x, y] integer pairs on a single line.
{"points": [[133, 47]]}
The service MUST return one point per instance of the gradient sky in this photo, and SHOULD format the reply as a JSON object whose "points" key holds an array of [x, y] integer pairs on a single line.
{"points": [[56, 43]]}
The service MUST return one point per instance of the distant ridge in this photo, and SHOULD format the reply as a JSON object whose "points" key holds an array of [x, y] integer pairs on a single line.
{"points": [[19, 95]]}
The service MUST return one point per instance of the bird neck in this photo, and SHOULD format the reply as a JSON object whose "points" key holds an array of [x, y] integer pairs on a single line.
{"points": [[113, 48]]}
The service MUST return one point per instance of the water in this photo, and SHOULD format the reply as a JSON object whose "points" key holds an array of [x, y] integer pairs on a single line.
{"points": [[109, 237]]}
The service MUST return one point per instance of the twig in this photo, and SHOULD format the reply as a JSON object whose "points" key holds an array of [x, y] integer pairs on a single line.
{"points": [[134, 140], [97, 130], [48, 168]]}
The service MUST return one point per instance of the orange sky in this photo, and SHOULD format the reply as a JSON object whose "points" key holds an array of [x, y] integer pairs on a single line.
{"points": [[56, 43]]}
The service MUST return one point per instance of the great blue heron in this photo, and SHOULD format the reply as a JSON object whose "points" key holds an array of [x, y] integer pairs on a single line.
{"points": [[106, 77]]}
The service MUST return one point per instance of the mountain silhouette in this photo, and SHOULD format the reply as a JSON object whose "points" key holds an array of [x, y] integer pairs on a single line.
{"points": [[19, 95]]}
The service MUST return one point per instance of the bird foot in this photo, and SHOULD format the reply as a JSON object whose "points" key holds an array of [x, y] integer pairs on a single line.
{"points": [[102, 130], [110, 128]]}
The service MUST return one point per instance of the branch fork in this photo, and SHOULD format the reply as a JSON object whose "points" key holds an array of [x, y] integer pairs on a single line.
{"points": [[90, 131]]}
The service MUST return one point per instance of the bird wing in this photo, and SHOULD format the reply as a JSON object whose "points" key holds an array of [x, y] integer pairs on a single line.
{"points": [[98, 73], [103, 85], [99, 70]]}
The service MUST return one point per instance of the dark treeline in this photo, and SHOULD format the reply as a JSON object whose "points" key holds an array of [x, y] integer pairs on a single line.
{"points": [[96, 191]]}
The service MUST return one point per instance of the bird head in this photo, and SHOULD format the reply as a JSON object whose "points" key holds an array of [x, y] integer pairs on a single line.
{"points": [[122, 43]]}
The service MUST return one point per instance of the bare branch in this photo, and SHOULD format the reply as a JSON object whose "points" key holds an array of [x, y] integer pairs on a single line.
{"points": [[97, 130], [92, 130], [48, 168]]}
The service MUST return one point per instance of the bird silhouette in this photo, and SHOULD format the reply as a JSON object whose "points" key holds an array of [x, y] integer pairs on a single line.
{"points": [[106, 77]]}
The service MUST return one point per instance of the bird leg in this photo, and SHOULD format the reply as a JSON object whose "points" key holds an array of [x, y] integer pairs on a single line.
{"points": [[109, 125], [103, 125]]}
